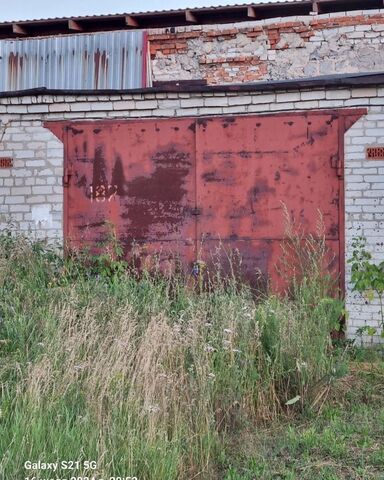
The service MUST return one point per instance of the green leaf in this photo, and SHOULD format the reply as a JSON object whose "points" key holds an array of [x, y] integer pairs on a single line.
{"points": [[293, 400], [371, 331], [370, 294]]}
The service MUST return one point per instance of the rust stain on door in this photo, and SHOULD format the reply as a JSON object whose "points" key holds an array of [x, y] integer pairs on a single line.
{"points": [[137, 176]]}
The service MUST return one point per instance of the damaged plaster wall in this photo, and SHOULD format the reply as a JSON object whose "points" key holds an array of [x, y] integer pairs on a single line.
{"points": [[272, 49]]}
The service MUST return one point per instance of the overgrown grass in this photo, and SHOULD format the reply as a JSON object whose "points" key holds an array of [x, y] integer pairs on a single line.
{"points": [[144, 374], [344, 441]]}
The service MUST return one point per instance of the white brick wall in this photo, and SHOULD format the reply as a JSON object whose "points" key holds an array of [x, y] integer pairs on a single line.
{"points": [[31, 194], [364, 207]]}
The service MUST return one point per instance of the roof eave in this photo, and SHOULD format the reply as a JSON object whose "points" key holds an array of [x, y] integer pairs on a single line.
{"points": [[357, 80], [181, 17]]}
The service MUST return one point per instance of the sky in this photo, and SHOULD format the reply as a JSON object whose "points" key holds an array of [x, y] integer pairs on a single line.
{"points": [[34, 9]]}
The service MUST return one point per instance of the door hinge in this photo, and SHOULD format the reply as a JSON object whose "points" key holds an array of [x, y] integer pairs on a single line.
{"points": [[337, 164], [335, 160], [66, 177]]}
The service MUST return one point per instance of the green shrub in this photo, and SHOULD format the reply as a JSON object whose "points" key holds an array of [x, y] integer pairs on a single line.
{"points": [[368, 279]]}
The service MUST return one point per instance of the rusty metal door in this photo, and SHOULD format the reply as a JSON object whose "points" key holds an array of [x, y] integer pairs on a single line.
{"points": [[193, 186], [250, 169], [135, 178]]}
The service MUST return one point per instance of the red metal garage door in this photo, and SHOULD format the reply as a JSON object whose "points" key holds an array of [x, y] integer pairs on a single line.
{"points": [[185, 185], [139, 177], [249, 166]]}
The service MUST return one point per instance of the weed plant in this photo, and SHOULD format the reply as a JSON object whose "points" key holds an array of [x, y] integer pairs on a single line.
{"points": [[144, 374]]}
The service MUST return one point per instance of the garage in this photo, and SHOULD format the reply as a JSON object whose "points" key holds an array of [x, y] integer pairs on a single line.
{"points": [[184, 188]]}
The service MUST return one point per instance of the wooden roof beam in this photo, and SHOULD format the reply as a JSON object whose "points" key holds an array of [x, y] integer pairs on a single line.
{"points": [[130, 21], [75, 26], [190, 16], [251, 12], [18, 29], [316, 8]]}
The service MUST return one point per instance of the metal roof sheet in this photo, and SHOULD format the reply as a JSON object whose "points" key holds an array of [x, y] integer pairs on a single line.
{"points": [[93, 61], [164, 11]]}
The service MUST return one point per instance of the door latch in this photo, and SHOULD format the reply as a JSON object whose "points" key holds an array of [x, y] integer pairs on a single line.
{"points": [[196, 211]]}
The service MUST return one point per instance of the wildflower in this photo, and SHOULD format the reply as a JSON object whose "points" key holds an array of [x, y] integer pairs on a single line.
{"points": [[198, 268], [80, 367], [153, 408], [211, 375], [209, 348], [300, 365]]}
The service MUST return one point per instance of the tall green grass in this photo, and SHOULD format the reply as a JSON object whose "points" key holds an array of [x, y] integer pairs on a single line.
{"points": [[144, 374]]}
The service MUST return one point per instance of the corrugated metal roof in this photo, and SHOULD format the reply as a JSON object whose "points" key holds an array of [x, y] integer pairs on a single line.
{"points": [[164, 11], [112, 60], [218, 7]]}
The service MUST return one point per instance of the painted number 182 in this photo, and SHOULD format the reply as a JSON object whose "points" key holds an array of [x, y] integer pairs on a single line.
{"points": [[103, 192]]}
